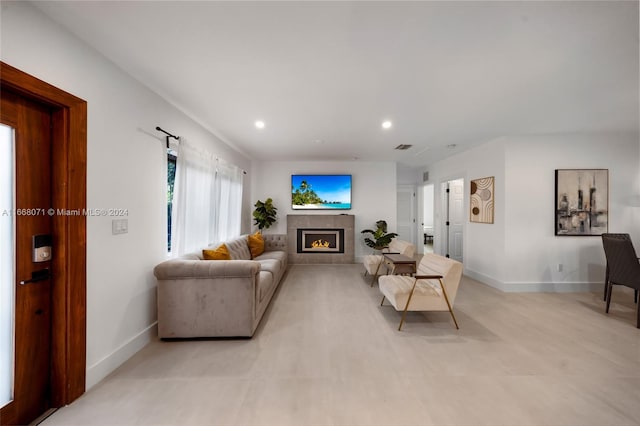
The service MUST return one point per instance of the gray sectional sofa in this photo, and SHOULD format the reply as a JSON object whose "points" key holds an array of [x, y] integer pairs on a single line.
{"points": [[219, 298]]}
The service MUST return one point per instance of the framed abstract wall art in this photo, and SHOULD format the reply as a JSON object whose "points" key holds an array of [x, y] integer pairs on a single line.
{"points": [[481, 201], [581, 202]]}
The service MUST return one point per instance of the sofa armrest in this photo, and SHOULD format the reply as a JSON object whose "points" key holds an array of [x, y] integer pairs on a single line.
{"points": [[184, 269]]}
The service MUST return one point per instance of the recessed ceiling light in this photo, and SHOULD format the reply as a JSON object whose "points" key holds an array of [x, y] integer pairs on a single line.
{"points": [[260, 124], [386, 124]]}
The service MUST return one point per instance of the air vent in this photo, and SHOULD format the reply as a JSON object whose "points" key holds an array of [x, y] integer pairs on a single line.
{"points": [[403, 147], [425, 176]]}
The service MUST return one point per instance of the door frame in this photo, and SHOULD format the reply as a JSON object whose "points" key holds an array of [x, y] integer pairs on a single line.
{"points": [[413, 189], [421, 214], [69, 176], [443, 248]]}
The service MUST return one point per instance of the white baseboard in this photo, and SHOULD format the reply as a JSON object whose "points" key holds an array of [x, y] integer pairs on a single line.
{"points": [[563, 287], [485, 279], [535, 287], [102, 368]]}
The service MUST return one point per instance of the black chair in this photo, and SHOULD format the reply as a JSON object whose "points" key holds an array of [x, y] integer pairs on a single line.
{"points": [[606, 277], [623, 266]]}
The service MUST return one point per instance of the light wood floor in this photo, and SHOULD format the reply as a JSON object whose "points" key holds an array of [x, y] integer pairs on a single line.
{"points": [[327, 354]]}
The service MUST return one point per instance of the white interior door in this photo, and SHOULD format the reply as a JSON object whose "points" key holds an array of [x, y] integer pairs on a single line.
{"points": [[406, 213], [456, 218]]}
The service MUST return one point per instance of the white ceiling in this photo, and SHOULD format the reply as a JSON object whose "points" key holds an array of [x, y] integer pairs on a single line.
{"points": [[324, 75]]}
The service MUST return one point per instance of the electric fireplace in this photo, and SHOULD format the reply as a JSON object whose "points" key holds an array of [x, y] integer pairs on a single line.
{"points": [[320, 240]]}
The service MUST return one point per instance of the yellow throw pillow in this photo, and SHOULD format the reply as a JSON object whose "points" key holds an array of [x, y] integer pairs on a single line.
{"points": [[221, 253], [256, 244]]}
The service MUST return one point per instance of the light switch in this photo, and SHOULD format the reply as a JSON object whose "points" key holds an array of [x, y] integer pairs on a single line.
{"points": [[119, 226]]}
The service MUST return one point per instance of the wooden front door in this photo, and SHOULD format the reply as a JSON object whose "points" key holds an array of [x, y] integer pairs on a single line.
{"points": [[48, 176], [31, 125]]}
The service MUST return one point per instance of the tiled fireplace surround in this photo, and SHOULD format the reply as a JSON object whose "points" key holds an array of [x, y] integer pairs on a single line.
{"points": [[321, 221]]}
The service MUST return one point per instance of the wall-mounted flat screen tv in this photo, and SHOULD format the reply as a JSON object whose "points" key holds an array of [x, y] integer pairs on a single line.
{"points": [[331, 192]]}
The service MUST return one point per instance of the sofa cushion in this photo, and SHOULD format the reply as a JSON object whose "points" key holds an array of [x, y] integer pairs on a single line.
{"points": [[238, 248], [270, 265], [280, 256], [374, 264], [426, 297], [256, 244], [220, 253], [402, 247], [195, 255]]}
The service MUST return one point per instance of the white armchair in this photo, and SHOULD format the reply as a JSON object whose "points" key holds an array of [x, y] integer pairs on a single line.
{"points": [[373, 263], [433, 288]]}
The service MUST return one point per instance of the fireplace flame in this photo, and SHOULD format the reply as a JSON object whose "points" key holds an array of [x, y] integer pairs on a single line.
{"points": [[320, 244]]}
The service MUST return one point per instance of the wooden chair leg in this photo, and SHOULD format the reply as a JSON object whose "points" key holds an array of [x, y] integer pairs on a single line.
{"points": [[446, 298], [373, 278], [404, 312]]}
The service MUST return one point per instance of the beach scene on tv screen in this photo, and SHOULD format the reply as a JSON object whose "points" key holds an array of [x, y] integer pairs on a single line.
{"points": [[321, 192]]}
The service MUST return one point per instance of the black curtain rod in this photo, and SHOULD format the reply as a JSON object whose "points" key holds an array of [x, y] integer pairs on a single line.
{"points": [[169, 135]]}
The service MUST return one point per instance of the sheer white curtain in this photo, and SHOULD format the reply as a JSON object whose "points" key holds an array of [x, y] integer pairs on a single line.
{"points": [[228, 195], [207, 203], [192, 217]]}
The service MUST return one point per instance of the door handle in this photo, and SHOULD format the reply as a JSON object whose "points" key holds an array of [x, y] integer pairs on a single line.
{"points": [[39, 275]]}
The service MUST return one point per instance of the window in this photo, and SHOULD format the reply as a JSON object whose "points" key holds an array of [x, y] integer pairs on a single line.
{"points": [[171, 178], [207, 200], [7, 277]]}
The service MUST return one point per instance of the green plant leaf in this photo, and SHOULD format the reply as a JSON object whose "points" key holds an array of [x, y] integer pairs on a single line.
{"points": [[379, 237], [265, 213]]}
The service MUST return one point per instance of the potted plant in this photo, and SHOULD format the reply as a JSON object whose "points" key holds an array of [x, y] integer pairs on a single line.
{"points": [[379, 237], [265, 214]]}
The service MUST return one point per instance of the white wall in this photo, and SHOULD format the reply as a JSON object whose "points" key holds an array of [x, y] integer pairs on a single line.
{"points": [[126, 169], [533, 251], [373, 194], [408, 175], [483, 244], [520, 252]]}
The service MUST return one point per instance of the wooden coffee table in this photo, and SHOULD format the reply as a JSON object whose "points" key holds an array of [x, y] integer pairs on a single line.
{"points": [[400, 264]]}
